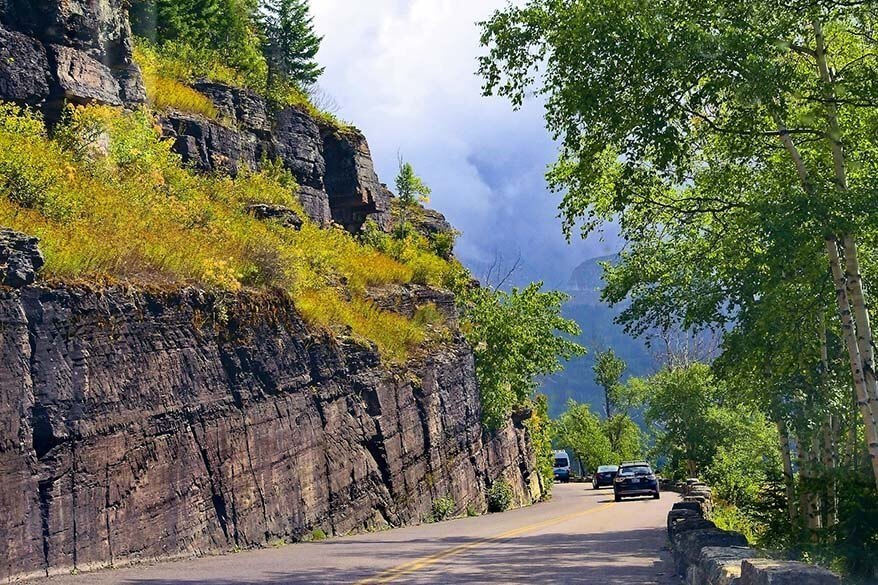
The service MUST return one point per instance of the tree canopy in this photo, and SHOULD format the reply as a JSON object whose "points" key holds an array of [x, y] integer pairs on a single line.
{"points": [[608, 369], [290, 44], [516, 337], [582, 432], [733, 144]]}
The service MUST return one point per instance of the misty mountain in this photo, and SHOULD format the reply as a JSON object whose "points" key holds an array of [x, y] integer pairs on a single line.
{"points": [[599, 332]]}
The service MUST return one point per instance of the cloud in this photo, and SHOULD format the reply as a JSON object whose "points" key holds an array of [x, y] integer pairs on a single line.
{"points": [[404, 72]]}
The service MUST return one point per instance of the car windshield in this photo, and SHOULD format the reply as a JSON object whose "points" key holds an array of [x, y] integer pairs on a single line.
{"points": [[606, 468], [561, 462], [635, 470]]}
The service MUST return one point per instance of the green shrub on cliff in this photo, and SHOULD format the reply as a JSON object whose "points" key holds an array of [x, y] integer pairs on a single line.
{"points": [[30, 182], [499, 496], [443, 508], [165, 89], [413, 249], [110, 201], [539, 427], [411, 191], [171, 68], [517, 336]]}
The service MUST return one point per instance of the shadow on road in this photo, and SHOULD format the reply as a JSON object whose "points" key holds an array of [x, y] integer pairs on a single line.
{"points": [[611, 558]]}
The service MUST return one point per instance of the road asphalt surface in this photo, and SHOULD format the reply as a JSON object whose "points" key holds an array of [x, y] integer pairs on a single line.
{"points": [[580, 536]]}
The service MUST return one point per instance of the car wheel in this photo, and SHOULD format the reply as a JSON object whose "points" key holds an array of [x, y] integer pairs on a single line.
{"points": [[617, 497], [594, 486], [656, 496]]}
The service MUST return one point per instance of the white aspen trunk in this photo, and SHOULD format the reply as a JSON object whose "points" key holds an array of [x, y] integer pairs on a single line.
{"points": [[860, 325], [850, 339], [853, 443], [787, 469], [816, 488], [847, 323], [861, 328], [825, 439], [830, 465], [861, 318], [807, 503]]}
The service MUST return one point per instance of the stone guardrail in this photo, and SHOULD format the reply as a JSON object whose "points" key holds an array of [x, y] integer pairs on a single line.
{"points": [[707, 555]]}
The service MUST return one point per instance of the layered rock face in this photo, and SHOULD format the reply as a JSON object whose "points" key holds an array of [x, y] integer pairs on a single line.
{"points": [[20, 259], [52, 51], [139, 425], [337, 180]]}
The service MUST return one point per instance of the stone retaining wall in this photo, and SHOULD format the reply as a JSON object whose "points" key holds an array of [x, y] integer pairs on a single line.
{"points": [[707, 555]]}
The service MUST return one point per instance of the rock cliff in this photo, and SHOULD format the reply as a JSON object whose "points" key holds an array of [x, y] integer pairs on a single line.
{"points": [[137, 425], [337, 180], [52, 51]]}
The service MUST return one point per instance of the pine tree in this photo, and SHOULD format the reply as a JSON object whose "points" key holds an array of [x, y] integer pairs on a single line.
{"points": [[291, 44], [227, 27], [411, 190]]}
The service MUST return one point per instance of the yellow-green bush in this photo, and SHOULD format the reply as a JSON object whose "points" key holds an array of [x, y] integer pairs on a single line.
{"points": [[169, 70], [164, 88], [188, 64], [415, 251], [109, 199]]}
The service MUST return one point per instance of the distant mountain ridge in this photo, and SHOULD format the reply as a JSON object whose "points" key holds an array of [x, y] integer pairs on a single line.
{"points": [[589, 275], [599, 332], [586, 281]]}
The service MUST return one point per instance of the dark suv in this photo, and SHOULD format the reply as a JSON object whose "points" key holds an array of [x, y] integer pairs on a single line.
{"points": [[604, 476], [635, 478]]}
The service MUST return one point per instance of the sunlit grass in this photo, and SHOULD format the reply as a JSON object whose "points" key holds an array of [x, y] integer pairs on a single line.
{"points": [[171, 69], [165, 92], [109, 199]]}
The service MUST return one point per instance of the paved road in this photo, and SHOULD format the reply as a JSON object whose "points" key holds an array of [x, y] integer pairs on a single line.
{"points": [[581, 536]]}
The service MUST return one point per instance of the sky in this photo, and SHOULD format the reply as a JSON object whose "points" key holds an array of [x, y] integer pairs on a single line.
{"points": [[403, 71]]}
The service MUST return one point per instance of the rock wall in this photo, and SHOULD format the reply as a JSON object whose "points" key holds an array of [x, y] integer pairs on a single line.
{"points": [[707, 555], [138, 425], [79, 51], [334, 169]]}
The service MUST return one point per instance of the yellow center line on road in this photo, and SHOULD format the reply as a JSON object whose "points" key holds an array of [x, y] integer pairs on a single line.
{"points": [[418, 564]]}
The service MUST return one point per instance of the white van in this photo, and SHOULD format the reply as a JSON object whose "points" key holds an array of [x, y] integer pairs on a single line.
{"points": [[562, 466]]}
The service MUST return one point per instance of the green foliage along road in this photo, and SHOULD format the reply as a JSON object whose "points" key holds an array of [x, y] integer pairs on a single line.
{"points": [[595, 441], [733, 143], [517, 336]]}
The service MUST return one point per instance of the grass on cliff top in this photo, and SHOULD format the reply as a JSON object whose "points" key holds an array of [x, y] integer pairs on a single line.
{"points": [[165, 91], [169, 71], [109, 199]]}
